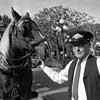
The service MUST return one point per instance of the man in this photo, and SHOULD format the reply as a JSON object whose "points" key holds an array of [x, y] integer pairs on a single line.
{"points": [[82, 73]]}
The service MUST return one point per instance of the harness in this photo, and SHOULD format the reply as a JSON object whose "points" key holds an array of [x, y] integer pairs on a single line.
{"points": [[4, 64], [7, 69]]}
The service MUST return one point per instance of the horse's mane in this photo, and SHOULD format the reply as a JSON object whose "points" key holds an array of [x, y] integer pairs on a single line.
{"points": [[4, 43]]}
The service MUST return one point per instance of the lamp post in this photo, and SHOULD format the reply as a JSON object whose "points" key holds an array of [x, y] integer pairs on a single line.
{"points": [[60, 28], [56, 33], [63, 27]]}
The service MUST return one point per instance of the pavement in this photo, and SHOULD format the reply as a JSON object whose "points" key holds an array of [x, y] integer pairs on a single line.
{"points": [[46, 88]]}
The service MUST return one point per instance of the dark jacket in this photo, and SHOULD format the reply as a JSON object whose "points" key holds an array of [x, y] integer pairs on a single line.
{"points": [[91, 79]]}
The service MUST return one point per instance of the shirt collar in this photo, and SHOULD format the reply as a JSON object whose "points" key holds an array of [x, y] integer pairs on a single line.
{"points": [[86, 57]]}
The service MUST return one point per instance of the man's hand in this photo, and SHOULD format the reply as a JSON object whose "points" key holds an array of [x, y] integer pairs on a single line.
{"points": [[42, 64]]}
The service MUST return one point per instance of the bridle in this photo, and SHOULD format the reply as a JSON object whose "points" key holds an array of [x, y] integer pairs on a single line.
{"points": [[28, 45], [4, 65]]}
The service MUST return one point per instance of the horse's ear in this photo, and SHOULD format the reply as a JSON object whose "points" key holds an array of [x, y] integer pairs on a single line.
{"points": [[27, 14], [15, 15]]}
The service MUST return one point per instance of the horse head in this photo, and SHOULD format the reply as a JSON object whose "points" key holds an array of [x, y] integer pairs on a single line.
{"points": [[22, 36]]}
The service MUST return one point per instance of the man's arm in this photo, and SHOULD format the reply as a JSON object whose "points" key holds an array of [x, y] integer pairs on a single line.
{"points": [[59, 77]]}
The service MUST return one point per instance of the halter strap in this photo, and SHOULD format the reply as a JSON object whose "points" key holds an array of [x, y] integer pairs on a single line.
{"points": [[6, 66], [28, 54]]}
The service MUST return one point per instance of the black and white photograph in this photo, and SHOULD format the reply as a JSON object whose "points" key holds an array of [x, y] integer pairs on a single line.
{"points": [[49, 50]]}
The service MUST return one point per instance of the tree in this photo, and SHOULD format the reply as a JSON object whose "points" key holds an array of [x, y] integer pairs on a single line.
{"points": [[6, 20], [50, 17]]}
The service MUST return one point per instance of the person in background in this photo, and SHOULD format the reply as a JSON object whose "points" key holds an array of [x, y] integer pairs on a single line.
{"points": [[82, 72]]}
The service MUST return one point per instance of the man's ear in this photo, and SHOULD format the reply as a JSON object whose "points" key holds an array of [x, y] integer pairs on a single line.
{"points": [[15, 15]]}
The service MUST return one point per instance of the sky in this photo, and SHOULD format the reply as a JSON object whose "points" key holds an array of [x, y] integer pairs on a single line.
{"points": [[91, 7]]}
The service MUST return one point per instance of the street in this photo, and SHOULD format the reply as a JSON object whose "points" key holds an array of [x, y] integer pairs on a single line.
{"points": [[47, 88]]}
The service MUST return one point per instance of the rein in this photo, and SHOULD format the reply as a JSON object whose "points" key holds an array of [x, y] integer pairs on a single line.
{"points": [[4, 64]]}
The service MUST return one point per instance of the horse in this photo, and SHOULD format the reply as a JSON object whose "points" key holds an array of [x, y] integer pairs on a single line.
{"points": [[17, 45]]}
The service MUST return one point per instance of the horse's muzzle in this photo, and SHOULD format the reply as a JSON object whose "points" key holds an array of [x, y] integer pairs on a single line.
{"points": [[36, 43]]}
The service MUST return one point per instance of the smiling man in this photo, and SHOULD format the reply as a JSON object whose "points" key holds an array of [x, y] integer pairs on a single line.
{"points": [[83, 72]]}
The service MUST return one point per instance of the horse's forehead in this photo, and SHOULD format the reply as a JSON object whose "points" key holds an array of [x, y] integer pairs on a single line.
{"points": [[19, 24], [22, 22], [28, 22]]}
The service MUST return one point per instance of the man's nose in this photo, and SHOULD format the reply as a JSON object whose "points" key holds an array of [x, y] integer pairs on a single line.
{"points": [[77, 49]]}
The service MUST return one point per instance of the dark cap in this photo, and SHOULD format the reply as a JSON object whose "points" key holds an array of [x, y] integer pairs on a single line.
{"points": [[80, 37]]}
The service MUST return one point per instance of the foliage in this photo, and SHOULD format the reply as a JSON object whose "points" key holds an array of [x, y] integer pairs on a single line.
{"points": [[50, 17], [6, 20]]}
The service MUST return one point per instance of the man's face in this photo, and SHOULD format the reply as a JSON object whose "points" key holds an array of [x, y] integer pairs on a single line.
{"points": [[81, 51]]}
